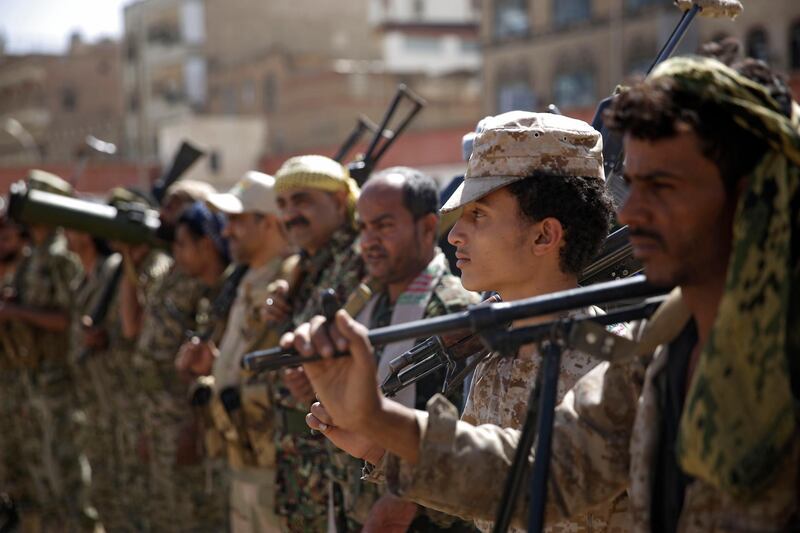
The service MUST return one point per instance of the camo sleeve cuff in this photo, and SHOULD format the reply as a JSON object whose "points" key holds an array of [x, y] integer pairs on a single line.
{"points": [[461, 467]]}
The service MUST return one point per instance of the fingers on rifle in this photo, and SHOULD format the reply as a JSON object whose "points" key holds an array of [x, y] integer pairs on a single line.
{"points": [[315, 423], [355, 335], [302, 339], [287, 340], [320, 337], [320, 413]]}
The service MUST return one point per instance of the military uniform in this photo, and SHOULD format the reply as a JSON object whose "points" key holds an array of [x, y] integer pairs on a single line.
{"points": [[45, 384], [607, 430], [11, 470], [434, 292], [302, 458], [185, 493], [499, 395], [248, 435], [94, 431], [129, 511]]}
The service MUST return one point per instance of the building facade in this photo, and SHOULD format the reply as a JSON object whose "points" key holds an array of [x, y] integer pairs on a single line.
{"points": [[50, 104], [572, 53]]}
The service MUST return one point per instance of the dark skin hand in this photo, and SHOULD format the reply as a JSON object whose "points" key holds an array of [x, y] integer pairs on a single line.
{"points": [[195, 358], [299, 386]]}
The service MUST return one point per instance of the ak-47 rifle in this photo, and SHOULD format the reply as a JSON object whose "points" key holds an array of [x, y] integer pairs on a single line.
{"points": [[363, 125], [361, 168], [482, 318]]}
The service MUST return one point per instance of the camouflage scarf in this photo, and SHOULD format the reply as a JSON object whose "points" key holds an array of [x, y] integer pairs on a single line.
{"points": [[740, 415]]}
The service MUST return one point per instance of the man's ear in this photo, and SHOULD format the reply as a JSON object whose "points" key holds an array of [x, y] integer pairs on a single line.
{"points": [[341, 200], [428, 226], [548, 236]]}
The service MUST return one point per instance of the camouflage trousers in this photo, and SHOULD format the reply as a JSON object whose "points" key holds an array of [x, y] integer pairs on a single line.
{"points": [[98, 438], [303, 488], [186, 492], [50, 455], [14, 480]]}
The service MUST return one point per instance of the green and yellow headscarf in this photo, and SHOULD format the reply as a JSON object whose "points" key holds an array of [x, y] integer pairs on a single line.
{"points": [[318, 172], [740, 414]]}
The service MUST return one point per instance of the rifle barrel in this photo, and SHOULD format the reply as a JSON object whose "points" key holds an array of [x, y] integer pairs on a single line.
{"points": [[485, 317]]}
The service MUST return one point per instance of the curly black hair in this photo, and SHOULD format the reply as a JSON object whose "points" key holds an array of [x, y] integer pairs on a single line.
{"points": [[653, 110], [582, 206]]}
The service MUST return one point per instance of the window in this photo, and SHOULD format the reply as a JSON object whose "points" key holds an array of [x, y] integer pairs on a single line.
{"points": [[270, 93], [424, 45], [566, 12], [248, 94], [229, 103], [757, 44], [794, 46], [515, 94], [69, 99], [419, 9], [510, 18], [574, 89]]}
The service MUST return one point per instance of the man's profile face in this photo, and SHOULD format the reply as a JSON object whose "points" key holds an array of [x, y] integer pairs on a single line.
{"points": [[189, 253], [490, 240], [678, 212], [245, 236], [311, 216], [394, 246]]}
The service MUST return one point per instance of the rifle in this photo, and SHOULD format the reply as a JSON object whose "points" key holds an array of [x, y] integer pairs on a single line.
{"points": [[482, 318], [363, 167], [183, 159], [363, 124], [100, 309]]}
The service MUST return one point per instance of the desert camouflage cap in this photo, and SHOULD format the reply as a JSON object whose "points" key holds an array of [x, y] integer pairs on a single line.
{"points": [[48, 182], [514, 145]]}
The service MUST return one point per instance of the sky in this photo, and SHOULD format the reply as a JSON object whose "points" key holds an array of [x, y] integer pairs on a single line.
{"points": [[45, 25]]}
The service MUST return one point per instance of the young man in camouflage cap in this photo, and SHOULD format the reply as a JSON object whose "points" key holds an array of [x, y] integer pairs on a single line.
{"points": [[534, 212], [35, 327], [316, 199], [700, 424]]}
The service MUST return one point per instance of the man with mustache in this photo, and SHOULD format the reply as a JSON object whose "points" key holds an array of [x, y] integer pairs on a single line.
{"points": [[534, 212], [700, 427], [316, 198], [256, 238], [398, 222]]}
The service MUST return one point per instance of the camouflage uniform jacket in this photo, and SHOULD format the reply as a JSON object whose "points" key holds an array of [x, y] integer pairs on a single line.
{"points": [[449, 296], [87, 290], [499, 395], [338, 266], [606, 431], [301, 457], [170, 312], [43, 280]]}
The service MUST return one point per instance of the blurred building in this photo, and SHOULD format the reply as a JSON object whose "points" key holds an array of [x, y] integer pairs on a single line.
{"points": [[311, 95], [574, 52], [165, 68], [49, 104]]}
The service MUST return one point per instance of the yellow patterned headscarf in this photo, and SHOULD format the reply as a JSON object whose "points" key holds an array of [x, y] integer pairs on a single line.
{"points": [[317, 172], [740, 414]]}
